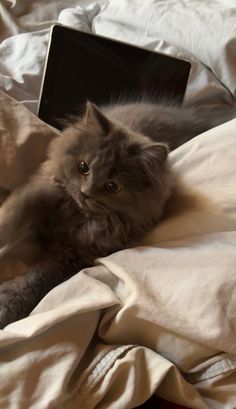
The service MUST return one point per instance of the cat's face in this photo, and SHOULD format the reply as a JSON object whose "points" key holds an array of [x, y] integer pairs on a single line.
{"points": [[105, 167]]}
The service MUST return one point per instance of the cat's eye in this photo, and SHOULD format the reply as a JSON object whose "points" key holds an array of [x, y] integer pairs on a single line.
{"points": [[112, 187], [83, 168]]}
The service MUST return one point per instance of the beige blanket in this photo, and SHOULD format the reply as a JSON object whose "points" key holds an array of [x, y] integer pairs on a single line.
{"points": [[155, 319]]}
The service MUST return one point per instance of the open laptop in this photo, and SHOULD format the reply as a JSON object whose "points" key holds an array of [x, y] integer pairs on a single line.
{"points": [[83, 66]]}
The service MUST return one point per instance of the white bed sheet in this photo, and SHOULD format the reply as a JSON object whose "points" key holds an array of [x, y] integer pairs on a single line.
{"points": [[158, 26]]}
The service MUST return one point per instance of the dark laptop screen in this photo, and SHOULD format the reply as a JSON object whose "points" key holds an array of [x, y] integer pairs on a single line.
{"points": [[83, 66]]}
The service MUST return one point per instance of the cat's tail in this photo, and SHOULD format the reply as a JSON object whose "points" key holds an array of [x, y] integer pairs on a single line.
{"points": [[215, 114]]}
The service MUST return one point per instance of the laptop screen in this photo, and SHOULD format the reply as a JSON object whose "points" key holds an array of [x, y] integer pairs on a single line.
{"points": [[83, 66]]}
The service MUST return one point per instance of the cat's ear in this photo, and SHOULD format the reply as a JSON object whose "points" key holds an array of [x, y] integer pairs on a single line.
{"points": [[153, 157], [95, 117], [155, 153]]}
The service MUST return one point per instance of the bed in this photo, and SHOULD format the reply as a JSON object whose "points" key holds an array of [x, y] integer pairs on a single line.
{"points": [[158, 319]]}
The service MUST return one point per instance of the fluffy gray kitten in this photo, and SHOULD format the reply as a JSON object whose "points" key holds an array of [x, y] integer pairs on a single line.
{"points": [[169, 122], [102, 187]]}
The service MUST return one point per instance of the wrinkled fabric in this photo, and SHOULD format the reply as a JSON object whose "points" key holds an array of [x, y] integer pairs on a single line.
{"points": [[25, 34], [23, 143], [203, 28], [158, 26]]}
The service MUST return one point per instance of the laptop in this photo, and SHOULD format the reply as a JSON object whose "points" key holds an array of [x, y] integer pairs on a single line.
{"points": [[82, 66]]}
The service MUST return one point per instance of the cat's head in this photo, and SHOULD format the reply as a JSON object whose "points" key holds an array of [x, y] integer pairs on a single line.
{"points": [[106, 168]]}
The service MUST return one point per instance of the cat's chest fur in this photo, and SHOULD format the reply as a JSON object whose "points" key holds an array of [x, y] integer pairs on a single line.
{"points": [[67, 229]]}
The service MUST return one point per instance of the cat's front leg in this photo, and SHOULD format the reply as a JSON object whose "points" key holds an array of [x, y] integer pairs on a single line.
{"points": [[18, 297], [22, 216], [13, 301]]}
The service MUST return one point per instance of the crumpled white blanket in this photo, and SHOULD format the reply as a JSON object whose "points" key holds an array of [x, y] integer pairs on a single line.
{"points": [[202, 32], [25, 31]]}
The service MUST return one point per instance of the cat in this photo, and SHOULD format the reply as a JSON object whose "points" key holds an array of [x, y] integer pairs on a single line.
{"points": [[80, 206], [103, 185], [168, 121]]}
